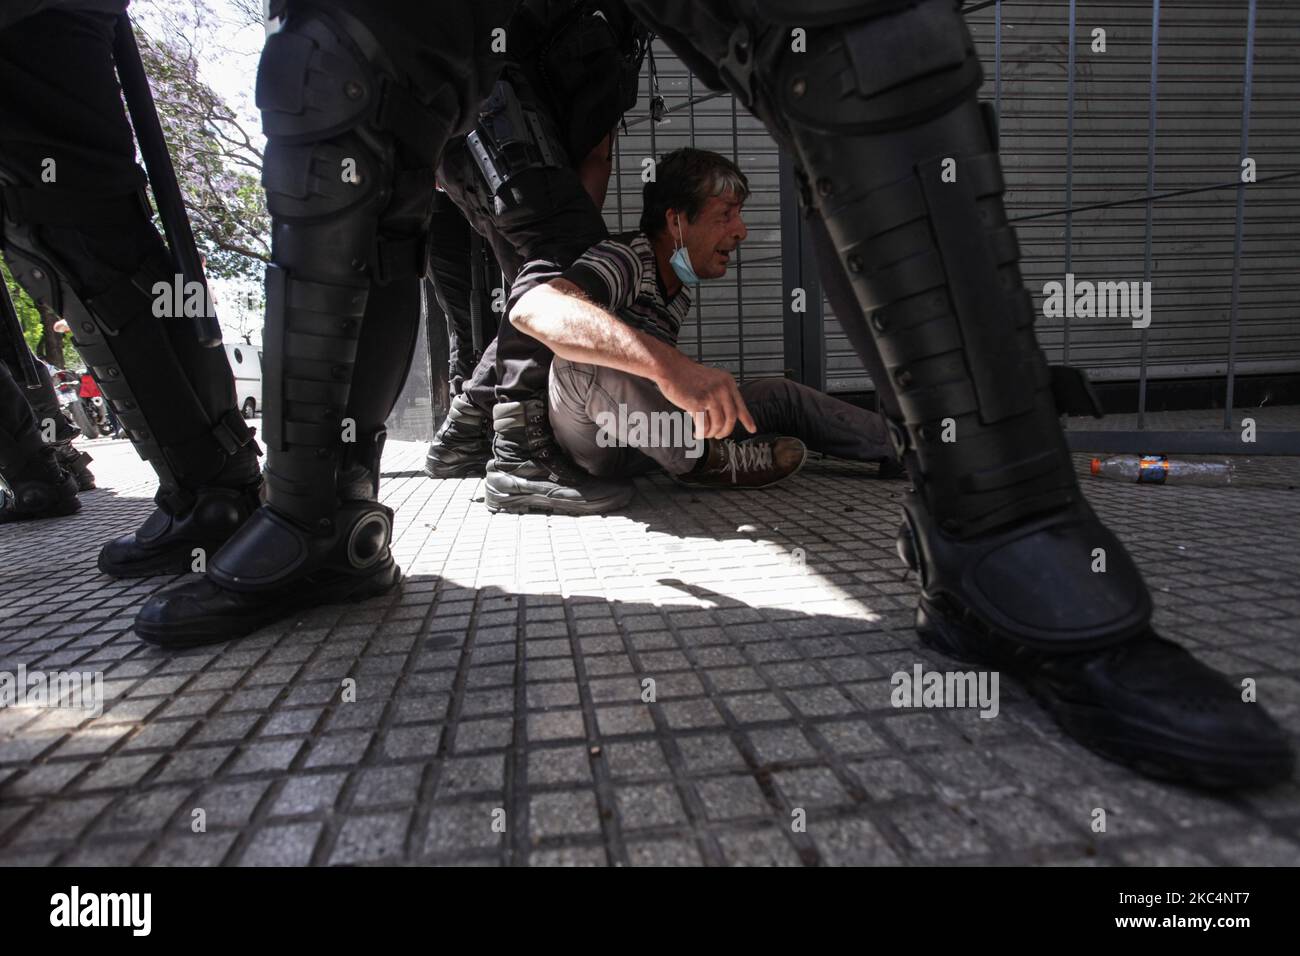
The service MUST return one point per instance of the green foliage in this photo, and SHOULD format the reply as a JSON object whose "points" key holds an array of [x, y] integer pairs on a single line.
{"points": [[218, 161], [30, 318]]}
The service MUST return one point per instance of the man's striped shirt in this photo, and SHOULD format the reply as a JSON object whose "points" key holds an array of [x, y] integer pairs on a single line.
{"points": [[620, 274]]}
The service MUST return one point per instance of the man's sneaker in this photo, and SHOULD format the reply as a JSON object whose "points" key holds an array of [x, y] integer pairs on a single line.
{"points": [[750, 464], [463, 444], [530, 472]]}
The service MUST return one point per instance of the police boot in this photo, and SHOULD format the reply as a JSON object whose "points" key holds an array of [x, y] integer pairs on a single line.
{"points": [[77, 464], [45, 406], [185, 529], [38, 487], [275, 567], [462, 445], [343, 288], [40, 491], [530, 472], [899, 163]]}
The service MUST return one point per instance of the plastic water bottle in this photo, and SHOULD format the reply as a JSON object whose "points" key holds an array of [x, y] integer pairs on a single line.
{"points": [[1158, 469]]}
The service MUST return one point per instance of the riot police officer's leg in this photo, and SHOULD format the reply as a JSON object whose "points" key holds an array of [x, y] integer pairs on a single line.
{"points": [[351, 149], [520, 190], [901, 165], [38, 486], [449, 265], [461, 446], [44, 403], [77, 231]]}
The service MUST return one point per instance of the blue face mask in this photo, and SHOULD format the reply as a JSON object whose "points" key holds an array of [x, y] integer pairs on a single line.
{"points": [[681, 261]]}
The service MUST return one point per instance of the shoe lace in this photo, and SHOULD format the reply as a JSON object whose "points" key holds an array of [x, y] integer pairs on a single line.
{"points": [[740, 458]]}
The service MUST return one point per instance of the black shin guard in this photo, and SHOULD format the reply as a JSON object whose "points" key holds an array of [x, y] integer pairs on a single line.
{"points": [[899, 163], [349, 179]]}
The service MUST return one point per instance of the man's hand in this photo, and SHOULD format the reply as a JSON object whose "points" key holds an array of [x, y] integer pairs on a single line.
{"points": [[710, 395], [558, 315]]}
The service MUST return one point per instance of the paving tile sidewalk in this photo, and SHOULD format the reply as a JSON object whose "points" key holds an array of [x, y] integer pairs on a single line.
{"points": [[499, 713]]}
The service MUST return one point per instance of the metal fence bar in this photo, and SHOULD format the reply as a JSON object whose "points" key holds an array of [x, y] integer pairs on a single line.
{"points": [[805, 341], [618, 179], [740, 268], [698, 293], [1151, 177], [997, 59], [1152, 197], [1246, 92], [1069, 178]]}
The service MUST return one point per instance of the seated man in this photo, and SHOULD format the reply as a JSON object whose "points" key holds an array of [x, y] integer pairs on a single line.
{"points": [[619, 384]]}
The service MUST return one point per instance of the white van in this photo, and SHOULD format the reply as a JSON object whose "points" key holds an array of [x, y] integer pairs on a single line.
{"points": [[246, 364]]}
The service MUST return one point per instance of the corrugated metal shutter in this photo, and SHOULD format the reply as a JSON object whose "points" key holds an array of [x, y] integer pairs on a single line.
{"points": [[1201, 59], [751, 290], [1202, 48]]}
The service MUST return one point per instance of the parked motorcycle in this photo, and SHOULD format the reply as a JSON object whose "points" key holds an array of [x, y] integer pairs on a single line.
{"points": [[81, 402]]}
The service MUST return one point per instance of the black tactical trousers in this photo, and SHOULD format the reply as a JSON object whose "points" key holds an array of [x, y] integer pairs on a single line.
{"points": [[20, 432], [61, 115], [42, 399], [542, 213]]}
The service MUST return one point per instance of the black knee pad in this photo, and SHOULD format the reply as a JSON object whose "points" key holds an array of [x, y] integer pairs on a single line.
{"points": [[329, 164], [876, 66]]}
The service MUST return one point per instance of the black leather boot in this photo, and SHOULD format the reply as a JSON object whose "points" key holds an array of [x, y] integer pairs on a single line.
{"points": [[44, 491], [197, 515], [76, 463], [37, 486], [463, 444], [530, 472], [178, 541]]}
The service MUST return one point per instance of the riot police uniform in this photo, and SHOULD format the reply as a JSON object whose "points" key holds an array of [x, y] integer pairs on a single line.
{"points": [[39, 485], [78, 236], [38, 393]]}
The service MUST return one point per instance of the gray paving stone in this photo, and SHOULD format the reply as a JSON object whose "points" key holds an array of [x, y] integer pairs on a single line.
{"points": [[649, 806], [308, 793], [459, 827], [569, 856], [937, 831], [385, 786], [764, 847], [466, 775], [663, 853], [557, 814], [731, 797], [370, 839], [559, 765], [851, 842], [288, 845]]}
